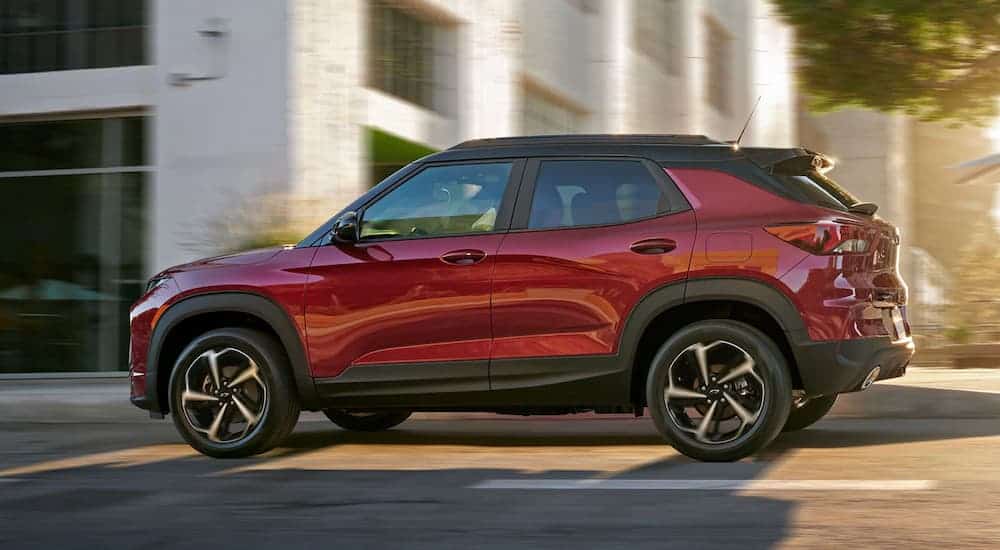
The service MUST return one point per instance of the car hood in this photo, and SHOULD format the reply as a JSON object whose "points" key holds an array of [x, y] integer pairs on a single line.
{"points": [[249, 257]]}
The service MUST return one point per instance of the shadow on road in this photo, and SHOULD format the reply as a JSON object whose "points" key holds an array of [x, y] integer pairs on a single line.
{"points": [[325, 480]]}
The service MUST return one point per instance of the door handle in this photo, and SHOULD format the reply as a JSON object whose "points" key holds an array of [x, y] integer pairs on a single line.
{"points": [[653, 246], [463, 257]]}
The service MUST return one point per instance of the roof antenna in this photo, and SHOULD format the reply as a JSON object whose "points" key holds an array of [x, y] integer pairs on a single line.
{"points": [[736, 144]]}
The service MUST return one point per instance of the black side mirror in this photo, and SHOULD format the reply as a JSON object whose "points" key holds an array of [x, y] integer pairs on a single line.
{"points": [[346, 228]]}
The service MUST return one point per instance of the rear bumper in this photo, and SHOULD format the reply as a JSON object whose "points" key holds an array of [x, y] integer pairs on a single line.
{"points": [[841, 366]]}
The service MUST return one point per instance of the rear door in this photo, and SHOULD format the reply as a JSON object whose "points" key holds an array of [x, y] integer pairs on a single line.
{"points": [[590, 238]]}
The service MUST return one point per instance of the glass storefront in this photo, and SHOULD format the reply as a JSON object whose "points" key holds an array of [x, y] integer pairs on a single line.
{"points": [[56, 35], [72, 224]]}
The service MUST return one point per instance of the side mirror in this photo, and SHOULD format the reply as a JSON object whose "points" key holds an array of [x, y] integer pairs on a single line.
{"points": [[346, 228]]}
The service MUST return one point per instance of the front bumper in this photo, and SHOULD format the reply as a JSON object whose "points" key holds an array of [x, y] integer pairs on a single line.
{"points": [[841, 366]]}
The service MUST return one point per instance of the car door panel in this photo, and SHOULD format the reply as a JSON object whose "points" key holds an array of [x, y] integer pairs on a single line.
{"points": [[567, 292], [397, 302], [590, 237], [415, 288]]}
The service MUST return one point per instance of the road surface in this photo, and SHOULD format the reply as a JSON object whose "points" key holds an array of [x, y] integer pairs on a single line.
{"points": [[502, 482]]}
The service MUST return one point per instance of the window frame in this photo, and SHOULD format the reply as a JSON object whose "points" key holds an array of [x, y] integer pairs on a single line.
{"points": [[676, 201], [504, 213]]}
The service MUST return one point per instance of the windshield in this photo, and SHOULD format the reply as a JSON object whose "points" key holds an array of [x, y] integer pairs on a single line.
{"points": [[822, 190]]}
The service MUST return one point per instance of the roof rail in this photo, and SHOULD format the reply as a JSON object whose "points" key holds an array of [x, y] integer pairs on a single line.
{"points": [[590, 139]]}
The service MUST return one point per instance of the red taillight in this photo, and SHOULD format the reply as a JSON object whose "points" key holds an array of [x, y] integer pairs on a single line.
{"points": [[824, 237]]}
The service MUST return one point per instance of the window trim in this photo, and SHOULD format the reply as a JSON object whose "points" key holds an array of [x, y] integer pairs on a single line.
{"points": [[504, 213], [676, 200]]}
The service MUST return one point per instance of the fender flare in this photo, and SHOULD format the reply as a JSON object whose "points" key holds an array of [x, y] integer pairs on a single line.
{"points": [[757, 293], [233, 302]]}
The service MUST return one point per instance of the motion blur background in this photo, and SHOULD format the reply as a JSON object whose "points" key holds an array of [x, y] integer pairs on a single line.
{"points": [[135, 135]]}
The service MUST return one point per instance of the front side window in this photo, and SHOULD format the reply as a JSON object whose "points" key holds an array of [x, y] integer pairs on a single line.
{"points": [[440, 200], [593, 192]]}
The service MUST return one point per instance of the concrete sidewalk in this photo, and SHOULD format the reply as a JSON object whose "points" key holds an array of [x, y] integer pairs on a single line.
{"points": [[923, 393]]}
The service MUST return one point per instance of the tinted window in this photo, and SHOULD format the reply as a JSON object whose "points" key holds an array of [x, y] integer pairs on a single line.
{"points": [[440, 200], [67, 144], [55, 35], [821, 190], [593, 192]]}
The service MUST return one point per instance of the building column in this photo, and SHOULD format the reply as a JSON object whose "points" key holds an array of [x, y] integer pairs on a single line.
{"points": [[327, 149]]}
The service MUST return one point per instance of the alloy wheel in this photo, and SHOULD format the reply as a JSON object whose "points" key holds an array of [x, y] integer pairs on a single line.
{"points": [[714, 393], [224, 397]]}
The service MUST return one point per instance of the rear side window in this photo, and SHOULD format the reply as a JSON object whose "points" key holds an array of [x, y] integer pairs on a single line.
{"points": [[820, 190], [570, 193]]}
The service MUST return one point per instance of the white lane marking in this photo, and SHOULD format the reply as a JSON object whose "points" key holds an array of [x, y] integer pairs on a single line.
{"points": [[712, 484]]}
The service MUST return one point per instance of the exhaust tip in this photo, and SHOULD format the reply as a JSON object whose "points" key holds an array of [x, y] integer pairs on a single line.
{"points": [[870, 379]]}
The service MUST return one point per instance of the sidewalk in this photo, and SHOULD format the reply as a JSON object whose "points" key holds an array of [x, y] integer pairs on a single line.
{"points": [[924, 392]]}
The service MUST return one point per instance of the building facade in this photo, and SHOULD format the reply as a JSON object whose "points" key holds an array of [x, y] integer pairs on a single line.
{"points": [[136, 133]]}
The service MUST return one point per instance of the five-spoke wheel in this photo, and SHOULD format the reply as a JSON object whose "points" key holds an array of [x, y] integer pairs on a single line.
{"points": [[719, 390], [713, 391], [231, 393], [224, 396]]}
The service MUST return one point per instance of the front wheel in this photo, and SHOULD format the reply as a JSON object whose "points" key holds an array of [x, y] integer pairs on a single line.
{"points": [[719, 390], [231, 394], [807, 411], [366, 421]]}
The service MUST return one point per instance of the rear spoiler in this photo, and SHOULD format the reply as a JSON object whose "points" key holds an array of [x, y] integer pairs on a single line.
{"points": [[792, 162]]}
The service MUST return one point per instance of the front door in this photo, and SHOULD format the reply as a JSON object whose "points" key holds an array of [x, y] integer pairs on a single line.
{"points": [[410, 302]]}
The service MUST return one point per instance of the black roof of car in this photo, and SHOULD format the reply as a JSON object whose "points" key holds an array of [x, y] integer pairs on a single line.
{"points": [[657, 147], [590, 139]]}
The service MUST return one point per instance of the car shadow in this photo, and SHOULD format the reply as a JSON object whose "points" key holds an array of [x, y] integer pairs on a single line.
{"points": [[325, 482]]}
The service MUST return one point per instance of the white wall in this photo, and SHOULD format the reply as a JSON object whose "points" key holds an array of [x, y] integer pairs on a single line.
{"points": [[84, 90], [217, 143]]}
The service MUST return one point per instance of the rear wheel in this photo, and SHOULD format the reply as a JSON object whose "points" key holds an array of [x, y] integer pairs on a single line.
{"points": [[807, 411], [719, 390], [376, 421], [231, 393]]}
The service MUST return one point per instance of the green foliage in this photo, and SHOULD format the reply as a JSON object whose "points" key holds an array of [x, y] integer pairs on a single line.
{"points": [[937, 60], [976, 278], [960, 334]]}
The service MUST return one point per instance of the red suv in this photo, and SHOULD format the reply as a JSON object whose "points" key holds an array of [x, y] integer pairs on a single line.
{"points": [[732, 292]]}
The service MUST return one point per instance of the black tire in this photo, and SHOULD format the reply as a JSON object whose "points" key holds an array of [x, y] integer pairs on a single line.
{"points": [[809, 412], [767, 390], [366, 421], [273, 398]]}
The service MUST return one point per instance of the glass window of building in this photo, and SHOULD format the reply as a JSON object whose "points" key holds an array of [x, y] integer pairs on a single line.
{"points": [[72, 224], [400, 53], [543, 114], [719, 62], [657, 32], [55, 35]]}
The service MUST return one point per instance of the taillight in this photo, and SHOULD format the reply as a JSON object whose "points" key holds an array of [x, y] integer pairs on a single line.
{"points": [[824, 237]]}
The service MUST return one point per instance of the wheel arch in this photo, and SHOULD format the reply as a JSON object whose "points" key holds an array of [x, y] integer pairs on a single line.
{"points": [[198, 314], [668, 309]]}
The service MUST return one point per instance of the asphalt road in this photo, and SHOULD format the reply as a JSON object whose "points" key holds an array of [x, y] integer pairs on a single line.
{"points": [[500, 483]]}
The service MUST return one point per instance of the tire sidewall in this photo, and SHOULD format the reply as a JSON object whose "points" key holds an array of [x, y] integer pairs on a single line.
{"points": [[252, 344], [380, 421], [800, 418], [770, 366]]}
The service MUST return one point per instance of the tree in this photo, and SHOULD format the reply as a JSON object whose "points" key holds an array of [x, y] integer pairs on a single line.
{"points": [[976, 279], [937, 60]]}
